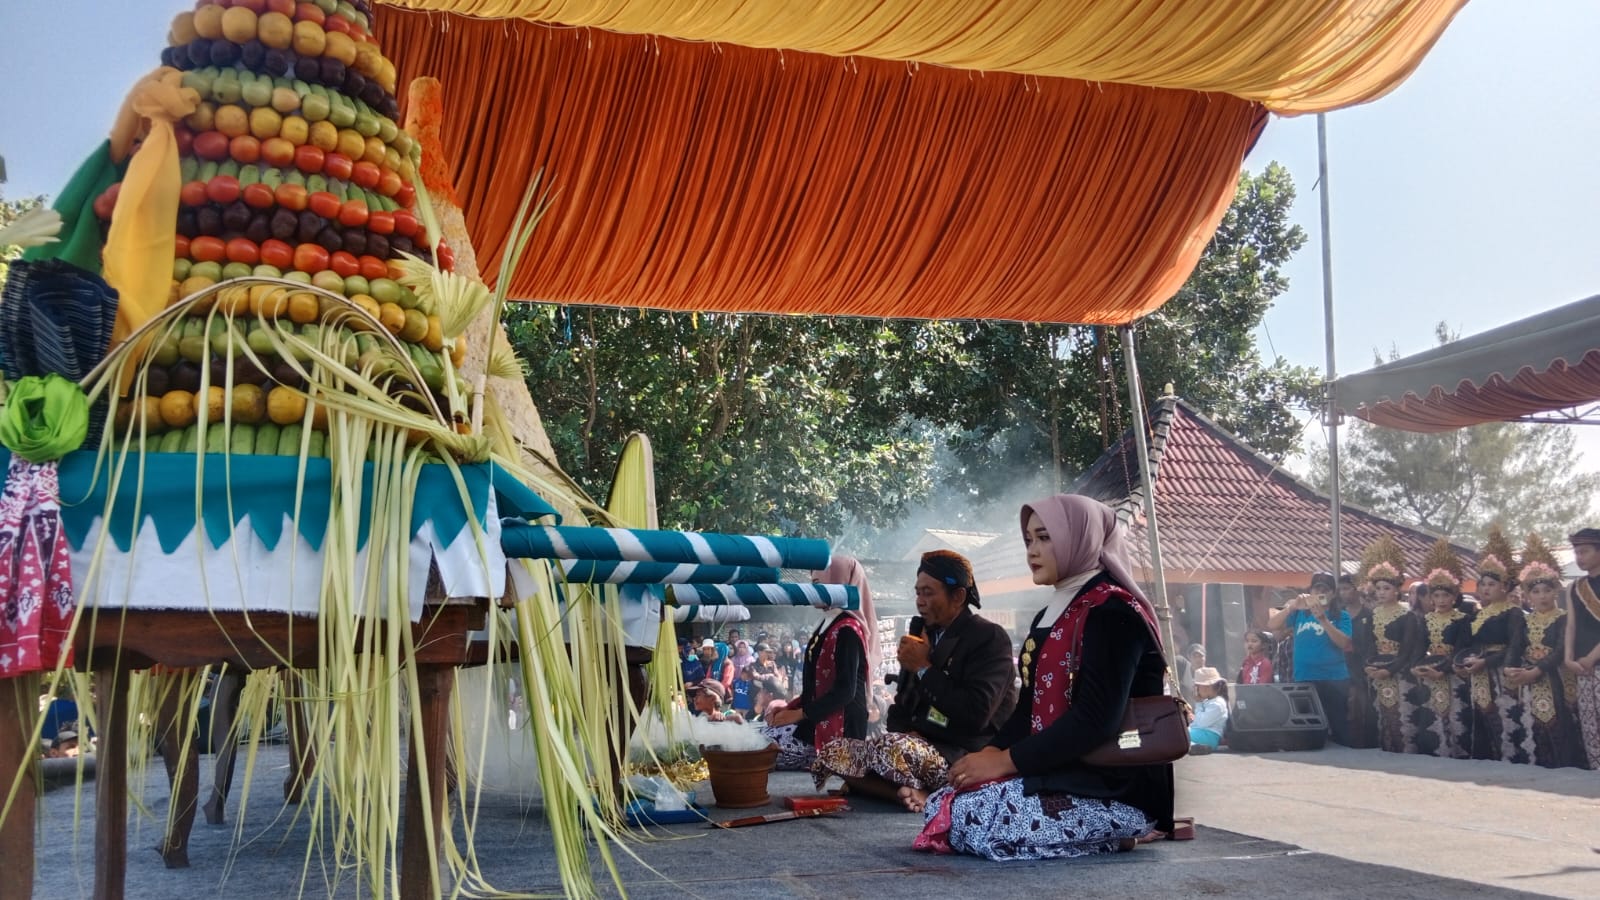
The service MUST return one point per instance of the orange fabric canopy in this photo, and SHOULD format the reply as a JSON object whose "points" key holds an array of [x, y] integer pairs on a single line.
{"points": [[1295, 56], [723, 178]]}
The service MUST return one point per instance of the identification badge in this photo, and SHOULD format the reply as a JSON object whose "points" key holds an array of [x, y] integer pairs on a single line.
{"points": [[1128, 740], [938, 718]]}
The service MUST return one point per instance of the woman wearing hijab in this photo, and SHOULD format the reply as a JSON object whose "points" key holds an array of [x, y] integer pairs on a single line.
{"points": [[833, 694], [1029, 795], [955, 689]]}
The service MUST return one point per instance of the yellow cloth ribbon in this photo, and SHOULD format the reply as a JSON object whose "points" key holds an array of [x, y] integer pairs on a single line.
{"points": [[143, 236]]}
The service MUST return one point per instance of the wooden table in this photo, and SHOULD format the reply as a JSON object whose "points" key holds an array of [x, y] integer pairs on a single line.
{"points": [[115, 644]]}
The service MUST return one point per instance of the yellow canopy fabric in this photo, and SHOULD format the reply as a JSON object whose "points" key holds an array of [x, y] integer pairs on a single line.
{"points": [[1293, 56]]}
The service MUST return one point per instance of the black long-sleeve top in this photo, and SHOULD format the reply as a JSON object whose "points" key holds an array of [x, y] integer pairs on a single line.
{"points": [[968, 690], [1394, 641], [1585, 625], [849, 689], [1493, 630], [1540, 643], [1120, 660]]}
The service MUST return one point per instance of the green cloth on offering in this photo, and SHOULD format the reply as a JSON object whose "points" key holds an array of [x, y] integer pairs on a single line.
{"points": [[81, 236], [45, 418]]}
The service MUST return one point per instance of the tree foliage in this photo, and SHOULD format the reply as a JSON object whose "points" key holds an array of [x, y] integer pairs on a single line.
{"points": [[759, 423], [1524, 476], [1035, 404], [10, 211]]}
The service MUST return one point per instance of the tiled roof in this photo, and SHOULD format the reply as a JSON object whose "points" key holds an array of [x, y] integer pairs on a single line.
{"points": [[946, 539], [1222, 508]]}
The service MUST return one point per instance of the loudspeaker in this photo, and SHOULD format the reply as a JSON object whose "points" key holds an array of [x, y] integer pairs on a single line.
{"points": [[1266, 717]]}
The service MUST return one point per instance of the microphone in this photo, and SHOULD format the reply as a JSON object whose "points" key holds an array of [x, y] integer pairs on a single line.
{"points": [[914, 629]]}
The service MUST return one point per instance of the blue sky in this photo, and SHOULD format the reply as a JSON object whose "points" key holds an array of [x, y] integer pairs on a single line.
{"points": [[1470, 194]]}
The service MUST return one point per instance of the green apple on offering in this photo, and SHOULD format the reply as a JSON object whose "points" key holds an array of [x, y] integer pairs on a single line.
{"points": [[387, 290], [209, 270], [329, 280], [315, 107]]}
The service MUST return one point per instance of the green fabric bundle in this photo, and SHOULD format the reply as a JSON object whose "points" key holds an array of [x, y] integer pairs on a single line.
{"points": [[45, 418]]}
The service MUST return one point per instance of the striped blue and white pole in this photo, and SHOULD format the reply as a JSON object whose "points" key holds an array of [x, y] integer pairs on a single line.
{"points": [[822, 596], [639, 545], [591, 571]]}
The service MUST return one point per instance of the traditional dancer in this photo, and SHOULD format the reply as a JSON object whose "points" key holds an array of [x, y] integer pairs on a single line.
{"points": [[1496, 720], [1440, 700], [1533, 664]]}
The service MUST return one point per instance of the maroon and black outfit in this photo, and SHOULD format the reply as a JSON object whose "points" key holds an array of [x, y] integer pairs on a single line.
{"points": [[1078, 674], [833, 693]]}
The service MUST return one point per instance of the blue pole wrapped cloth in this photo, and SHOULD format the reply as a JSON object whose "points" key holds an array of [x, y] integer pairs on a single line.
{"points": [[822, 596], [640, 545], [590, 571]]}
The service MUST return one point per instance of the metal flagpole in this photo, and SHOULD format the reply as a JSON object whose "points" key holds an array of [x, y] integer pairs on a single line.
{"points": [[1136, 402], [1330, 418]]}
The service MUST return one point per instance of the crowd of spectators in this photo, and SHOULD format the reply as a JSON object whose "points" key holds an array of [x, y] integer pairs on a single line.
{"points": [[734, 675]]}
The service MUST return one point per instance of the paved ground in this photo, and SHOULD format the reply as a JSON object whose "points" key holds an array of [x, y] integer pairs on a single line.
{"points": [[1338, 823], [1517, 827]]}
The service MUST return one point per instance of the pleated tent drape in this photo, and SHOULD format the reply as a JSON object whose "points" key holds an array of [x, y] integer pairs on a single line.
{"points": [[1294, 56], [723, 178]]}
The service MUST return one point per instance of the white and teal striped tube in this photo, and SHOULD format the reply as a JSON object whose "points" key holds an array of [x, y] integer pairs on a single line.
{"points": [[592, 571], [637, 545], [822, 596]]}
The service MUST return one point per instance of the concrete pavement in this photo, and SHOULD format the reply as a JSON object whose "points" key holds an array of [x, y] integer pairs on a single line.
{"points": [[1517, 827], [1338, 823]]}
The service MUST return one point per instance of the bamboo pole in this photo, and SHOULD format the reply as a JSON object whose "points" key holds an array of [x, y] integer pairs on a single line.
{"points": [[1147, 482]]}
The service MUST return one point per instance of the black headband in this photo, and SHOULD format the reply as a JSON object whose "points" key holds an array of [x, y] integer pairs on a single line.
{"points": [[951, 570]]}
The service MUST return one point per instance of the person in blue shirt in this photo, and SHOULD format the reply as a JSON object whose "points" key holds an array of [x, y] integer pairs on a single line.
{"points": [[694, 671], [1320, 631]]}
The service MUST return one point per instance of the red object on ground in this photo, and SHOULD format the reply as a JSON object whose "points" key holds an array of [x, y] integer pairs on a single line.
{"points": [[826, 804]]}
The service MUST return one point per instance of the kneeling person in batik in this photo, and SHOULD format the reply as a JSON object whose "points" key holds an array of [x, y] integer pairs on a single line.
{"points": [[956, 686], [1029, 795]]}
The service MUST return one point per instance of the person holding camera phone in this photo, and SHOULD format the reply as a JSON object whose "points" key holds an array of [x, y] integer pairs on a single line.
{"points": [[1321, 636]]}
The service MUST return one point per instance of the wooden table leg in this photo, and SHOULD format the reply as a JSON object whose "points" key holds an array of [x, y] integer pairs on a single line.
{"points": [[183, 774], [17, 754], [224, 743], [302, 758], [417, 854], [111, 784]]}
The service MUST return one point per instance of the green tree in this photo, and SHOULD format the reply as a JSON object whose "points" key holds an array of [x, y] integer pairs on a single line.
{"points": [[1038, 403], [10, 211], [760, 423], [1526, 477]]}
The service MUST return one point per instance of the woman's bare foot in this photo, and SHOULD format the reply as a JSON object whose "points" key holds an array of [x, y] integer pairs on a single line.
{"points": [[914, 800]]}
